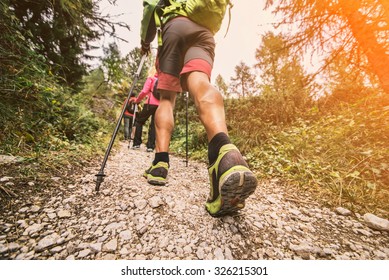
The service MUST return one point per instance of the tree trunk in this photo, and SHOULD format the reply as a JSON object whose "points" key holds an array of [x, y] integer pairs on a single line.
{"points": [[365, 35]]}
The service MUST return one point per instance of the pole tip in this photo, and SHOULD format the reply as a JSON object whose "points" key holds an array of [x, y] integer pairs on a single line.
{"points": [[100, 178]]}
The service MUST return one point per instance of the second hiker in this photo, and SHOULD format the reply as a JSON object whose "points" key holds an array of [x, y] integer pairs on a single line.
{"points": [[150, 106]]}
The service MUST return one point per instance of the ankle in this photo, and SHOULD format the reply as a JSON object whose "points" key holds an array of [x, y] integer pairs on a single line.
{"points": [[163, 156], [214, 146]]}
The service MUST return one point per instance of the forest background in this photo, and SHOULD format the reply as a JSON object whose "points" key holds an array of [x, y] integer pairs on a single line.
{"points": [[327, 136]]}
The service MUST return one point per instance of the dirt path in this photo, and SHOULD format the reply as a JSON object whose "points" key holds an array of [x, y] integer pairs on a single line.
{"points": [[130, 219]]}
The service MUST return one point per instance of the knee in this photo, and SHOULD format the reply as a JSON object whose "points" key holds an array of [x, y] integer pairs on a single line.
{"points": [[209, 95]]}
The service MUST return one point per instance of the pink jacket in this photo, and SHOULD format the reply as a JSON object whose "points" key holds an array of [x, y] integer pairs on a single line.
{"points": [[147, 91]]}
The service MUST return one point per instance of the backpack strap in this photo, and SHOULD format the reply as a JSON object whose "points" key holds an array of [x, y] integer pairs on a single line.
{"points": [[158, 26], [176, 7], [165, 12], [230, 5]]}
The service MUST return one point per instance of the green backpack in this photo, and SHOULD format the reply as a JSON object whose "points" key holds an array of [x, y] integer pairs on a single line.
{"points": [[207, 13]]}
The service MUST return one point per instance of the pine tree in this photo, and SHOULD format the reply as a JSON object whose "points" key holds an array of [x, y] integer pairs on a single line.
{"points": [[62, 32], [354, 27], [243, 83]]}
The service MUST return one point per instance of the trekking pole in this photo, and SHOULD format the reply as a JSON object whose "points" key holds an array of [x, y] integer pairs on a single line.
{"points": [[100, 176], [133, 124], [186, 140]]}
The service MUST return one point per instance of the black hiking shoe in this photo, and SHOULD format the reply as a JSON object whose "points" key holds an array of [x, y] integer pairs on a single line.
{"points": [[231, 182], [156, 174]]}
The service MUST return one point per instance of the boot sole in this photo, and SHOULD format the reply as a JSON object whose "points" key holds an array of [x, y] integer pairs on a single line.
{"points": [[236, 188], [156, 182]]}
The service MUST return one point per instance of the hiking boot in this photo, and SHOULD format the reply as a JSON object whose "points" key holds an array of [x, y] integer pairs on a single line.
{"points": [[156, 174], [149, 150], [136, 147], [147, 171], [231, 182]]}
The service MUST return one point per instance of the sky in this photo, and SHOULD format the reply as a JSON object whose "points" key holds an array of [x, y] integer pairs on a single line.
{"points": [[248, 24]]}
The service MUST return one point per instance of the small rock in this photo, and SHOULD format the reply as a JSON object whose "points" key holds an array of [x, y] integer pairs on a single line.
{"points": [[170, 248], [156, 201], [5, 179], [164, 242], [56, 179], [51, 216], [46, 242], [96, 247], [111, 246], [218, 254], [23, 210], [140, 203], [64, 214], [274, 215], [375, 222], [228, 254], [22, 223], [113, 226], [288, 229], [343, 211], [125, 235], [10, 159], [362, 231], [200, 253], [188, 249], [56, 249], [35, 209], [380, 255], [11, 247], [303, 250], [84, 253], [258, 225], [272, 199], [295, 212], [328, 251], [33, 229]]}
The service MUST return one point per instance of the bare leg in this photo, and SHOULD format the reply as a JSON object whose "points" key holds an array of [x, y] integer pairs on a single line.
{"points": [[209, 103], [164, 120]]}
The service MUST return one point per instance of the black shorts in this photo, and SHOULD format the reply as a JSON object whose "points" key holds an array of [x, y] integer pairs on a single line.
{"points": [[185, 41]]}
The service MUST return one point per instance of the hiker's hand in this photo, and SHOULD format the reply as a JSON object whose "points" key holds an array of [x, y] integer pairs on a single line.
{"points": [[145, 49]]}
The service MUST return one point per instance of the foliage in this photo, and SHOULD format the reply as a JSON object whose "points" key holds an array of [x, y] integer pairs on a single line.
{"points": [[342, 155], [222, 86], [347, 82], [113, 63], [358, 28], [41, 118], [243, 84], [131, 65], [98, 97], [62, 32], [284, 83]]}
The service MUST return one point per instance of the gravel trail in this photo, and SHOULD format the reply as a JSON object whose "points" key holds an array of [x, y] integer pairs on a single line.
{"points": [[129, 219]]}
